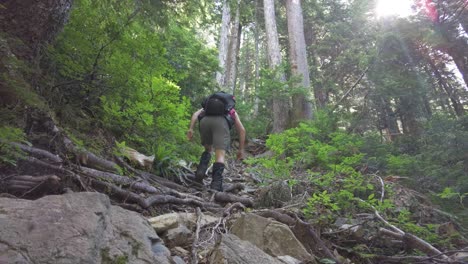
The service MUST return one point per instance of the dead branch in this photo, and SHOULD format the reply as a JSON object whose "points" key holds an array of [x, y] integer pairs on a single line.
{"points": [[411, 240], [412, 259], [167, 199], [197, 234], [301, 225], [113, 190], [120, 180], [234, 188], [232, 208], [39, 153], [125, 165], [56, 170], [222, 197], [89, 159], [162, 181]]}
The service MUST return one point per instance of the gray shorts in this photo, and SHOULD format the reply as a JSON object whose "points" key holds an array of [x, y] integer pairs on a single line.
{"points": [[214, 130]]}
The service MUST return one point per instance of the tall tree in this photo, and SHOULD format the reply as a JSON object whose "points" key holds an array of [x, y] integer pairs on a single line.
{"points": [[280, 104], [233, 52], [223, 46], [450, 28], [302, 105]]}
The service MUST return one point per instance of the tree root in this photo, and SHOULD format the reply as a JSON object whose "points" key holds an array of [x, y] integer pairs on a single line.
{"points": [[134, 184], [222, 197], [234, 188]]}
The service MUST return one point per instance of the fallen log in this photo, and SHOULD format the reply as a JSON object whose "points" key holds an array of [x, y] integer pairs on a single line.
{"points": [[26, 184], [413, 242], [124, 195], [222, 197], [410, 240], [39, 153]]}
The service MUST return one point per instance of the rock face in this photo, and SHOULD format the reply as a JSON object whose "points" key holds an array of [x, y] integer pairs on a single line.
{"points": [[232, 250], [75, 228], [34, 22], [270, 236]]}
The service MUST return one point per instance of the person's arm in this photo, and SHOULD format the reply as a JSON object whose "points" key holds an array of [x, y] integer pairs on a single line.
{"points": [[241, 130], [192, 123]]}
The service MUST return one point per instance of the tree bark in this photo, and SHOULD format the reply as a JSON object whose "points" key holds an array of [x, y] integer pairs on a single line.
{"points": [[302, 106], [223, 43], [233, 53], [448, 89], [256, 100], [280, 104]]}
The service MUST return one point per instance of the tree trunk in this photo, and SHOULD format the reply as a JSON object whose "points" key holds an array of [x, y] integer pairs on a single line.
{"points": [[223, 43], [302, 106], [257, 64], [454, 44], [280, 103], [388, 120], [448, 89], [233, 53]]}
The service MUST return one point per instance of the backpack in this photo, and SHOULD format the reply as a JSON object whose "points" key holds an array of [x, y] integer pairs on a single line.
{"points": [[219, 103]]}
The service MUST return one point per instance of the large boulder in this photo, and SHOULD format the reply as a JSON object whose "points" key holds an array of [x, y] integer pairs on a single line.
{"points": [[271, 236], [232, 250], [76, 228]]}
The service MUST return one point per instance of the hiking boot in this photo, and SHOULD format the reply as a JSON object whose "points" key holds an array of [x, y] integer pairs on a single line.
{"points": [[202, 167], [217, 177]]}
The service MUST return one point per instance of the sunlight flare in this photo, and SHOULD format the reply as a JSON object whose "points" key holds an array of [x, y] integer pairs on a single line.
{"points": [[399, 8]]}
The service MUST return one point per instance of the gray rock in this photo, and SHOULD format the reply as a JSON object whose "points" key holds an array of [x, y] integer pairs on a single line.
{"points": [[74, 228], [272, 237], [275, 195], [162, 223], [232, 250], [178, 237], [178, 260], [289, 260]]}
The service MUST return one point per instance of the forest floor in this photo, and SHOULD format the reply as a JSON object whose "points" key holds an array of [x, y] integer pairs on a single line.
{"points": [[53, 164]]}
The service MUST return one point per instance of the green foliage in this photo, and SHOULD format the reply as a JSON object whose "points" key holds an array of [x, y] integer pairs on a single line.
{"points": [[403, 164], [449, 193], [9, 154], [332, 157], [116, 64], [426, 232]]}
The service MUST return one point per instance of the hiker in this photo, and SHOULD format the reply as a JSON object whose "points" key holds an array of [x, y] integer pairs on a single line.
{"points": [[216, 117]]}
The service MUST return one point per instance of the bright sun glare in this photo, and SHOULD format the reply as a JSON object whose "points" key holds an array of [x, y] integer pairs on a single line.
{"points": [[400, 8]]}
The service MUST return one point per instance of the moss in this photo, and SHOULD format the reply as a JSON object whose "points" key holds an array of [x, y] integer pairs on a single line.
{"points": [[107, 259]]}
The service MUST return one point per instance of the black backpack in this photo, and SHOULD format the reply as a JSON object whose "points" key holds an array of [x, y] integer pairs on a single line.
{"points": [[219, 103]]}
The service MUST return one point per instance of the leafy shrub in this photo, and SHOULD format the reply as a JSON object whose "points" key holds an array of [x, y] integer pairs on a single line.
{"points": [[9, 154]]}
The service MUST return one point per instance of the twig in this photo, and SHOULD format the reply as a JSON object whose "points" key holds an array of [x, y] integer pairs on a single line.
{"points": [[195, 240]]}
